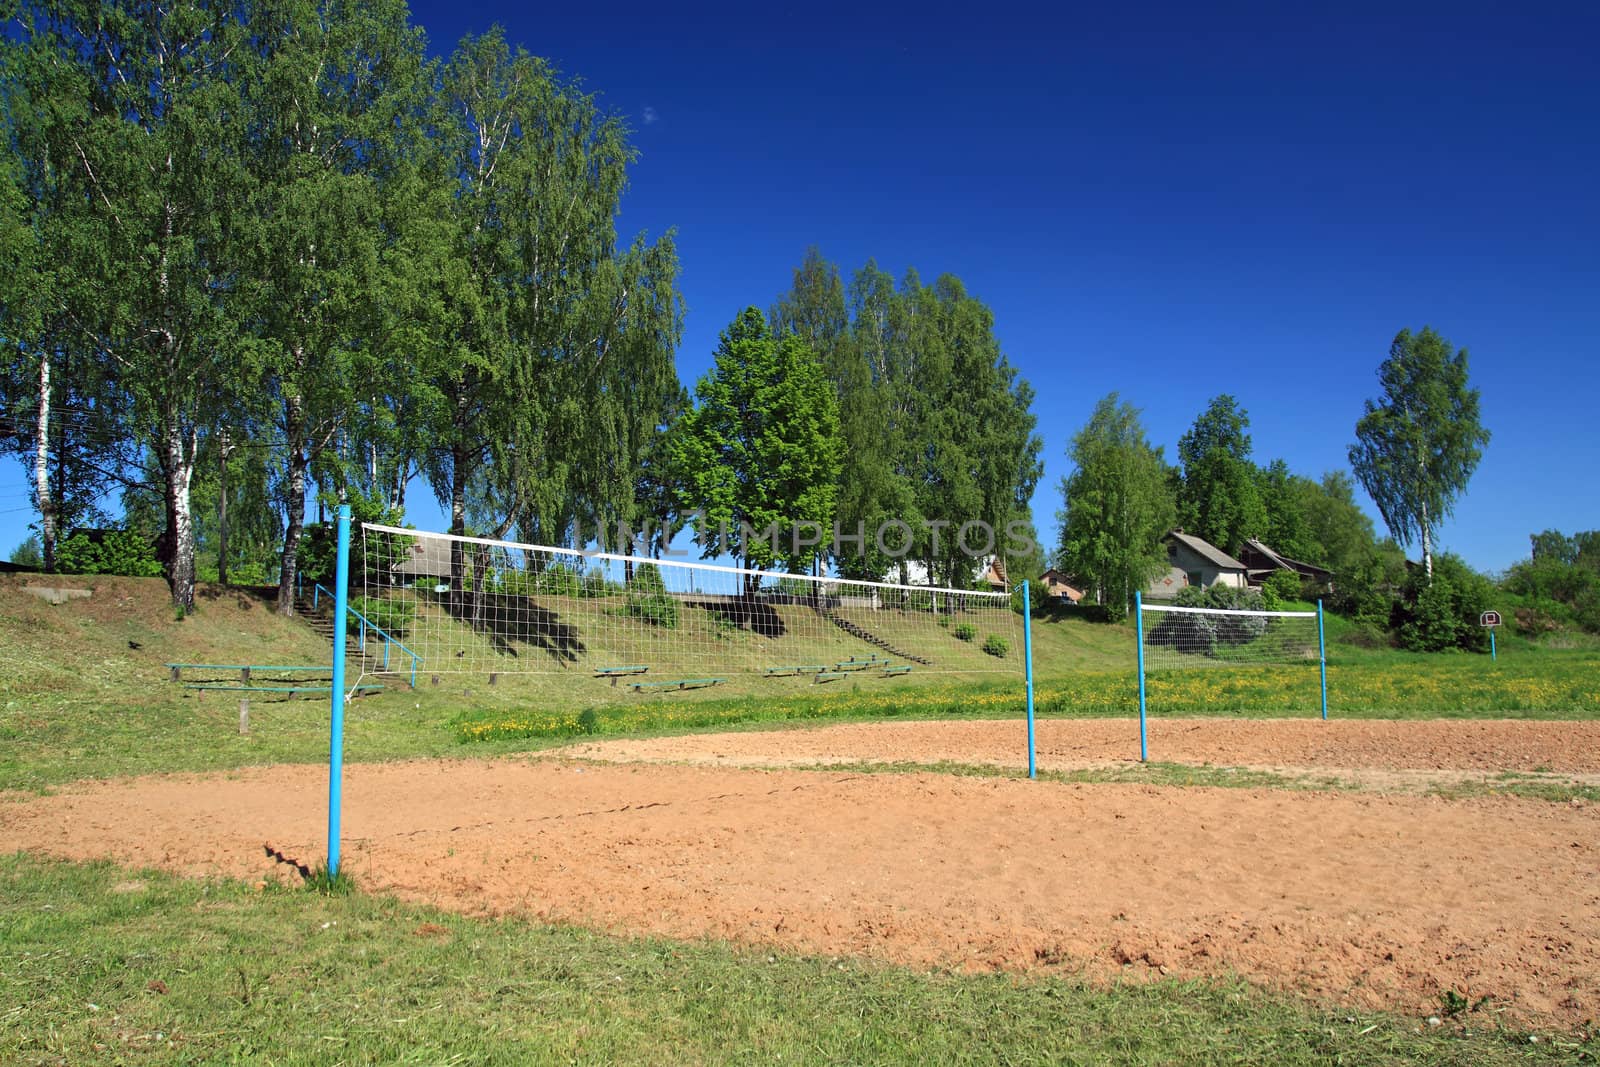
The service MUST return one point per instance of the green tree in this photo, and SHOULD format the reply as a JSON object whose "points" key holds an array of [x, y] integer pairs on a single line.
{"points": [[332, 96], [938, 426], [1116, 505], [140, 103], [870, 491], [1219, 496], [758, 455], [30, 553], [1417, 446], [546, 364], [1282, 495], [62, 409], [1562, 571], [1367, 574]]}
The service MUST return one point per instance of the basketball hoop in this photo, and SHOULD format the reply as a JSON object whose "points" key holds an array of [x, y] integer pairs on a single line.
{"points": [[1489, 620]]}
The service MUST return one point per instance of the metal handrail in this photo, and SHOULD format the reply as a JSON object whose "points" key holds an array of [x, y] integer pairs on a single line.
{"points": [[318, 591]]}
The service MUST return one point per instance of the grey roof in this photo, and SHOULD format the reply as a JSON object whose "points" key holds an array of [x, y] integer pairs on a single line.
{"points": [[1284, 562], [427, 556], [1207, 550]]}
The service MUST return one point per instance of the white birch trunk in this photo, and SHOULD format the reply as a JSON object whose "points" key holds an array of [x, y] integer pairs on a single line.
{"points": [[41, 469], [294, 504], [1427, 546], [180, 524]]}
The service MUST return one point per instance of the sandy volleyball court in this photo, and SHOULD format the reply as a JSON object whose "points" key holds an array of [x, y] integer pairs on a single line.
{"points": [[1468, 745], [1369, 899]]}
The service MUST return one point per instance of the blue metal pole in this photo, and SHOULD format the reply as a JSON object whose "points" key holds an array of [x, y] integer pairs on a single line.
{"points": [[1322, 655], [1138, 611], [336, 730], [1027, 664], [1493, 657]]}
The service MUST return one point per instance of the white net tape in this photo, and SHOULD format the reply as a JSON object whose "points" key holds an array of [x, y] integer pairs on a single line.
{"points": [[1177, 637], [469, 605]]}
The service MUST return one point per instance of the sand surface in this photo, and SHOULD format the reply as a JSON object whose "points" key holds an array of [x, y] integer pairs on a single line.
{"points": [[1374, 900]]}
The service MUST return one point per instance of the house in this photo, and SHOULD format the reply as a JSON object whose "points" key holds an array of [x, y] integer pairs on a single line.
{"points": [[1260, 562], [1059, 587], [425, 558], [990, 573], [1193, 560]]}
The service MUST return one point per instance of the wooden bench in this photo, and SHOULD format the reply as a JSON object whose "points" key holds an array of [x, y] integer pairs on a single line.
{"points": [[203, 686], [676, 683], [614, 673], [773, 672], [827, 676], [904, 668], [244, 669]]}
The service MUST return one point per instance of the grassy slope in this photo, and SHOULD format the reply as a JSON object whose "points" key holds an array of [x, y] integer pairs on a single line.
{"points": [[77, 701], [101, 965]]}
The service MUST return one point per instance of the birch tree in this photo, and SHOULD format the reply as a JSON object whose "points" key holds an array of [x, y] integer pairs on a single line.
{"points": [[150, 122], [332, 97], [1417, 445]]}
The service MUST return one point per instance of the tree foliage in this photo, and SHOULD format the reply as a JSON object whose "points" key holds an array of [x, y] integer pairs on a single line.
{"points": [[758, 455], [1417, 445], [275, 232], [1440, 613], [1559, 581], [938, 426], [1219, 496], [1116, 505]]}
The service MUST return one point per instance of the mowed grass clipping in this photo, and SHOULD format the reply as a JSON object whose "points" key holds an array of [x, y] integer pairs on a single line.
{"points": [[103, 965]]}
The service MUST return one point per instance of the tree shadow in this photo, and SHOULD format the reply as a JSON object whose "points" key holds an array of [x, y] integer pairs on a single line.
{"points": [[757, 614], [510, 621]]}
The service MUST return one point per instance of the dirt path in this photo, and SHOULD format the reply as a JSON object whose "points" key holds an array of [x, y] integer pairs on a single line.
{"points": [[1378, 901], [1478, 745]]}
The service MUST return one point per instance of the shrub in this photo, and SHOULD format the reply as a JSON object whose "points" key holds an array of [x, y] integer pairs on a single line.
{"points": [[996, 645], [596, 584], [124, 552], [1096, 613], [1038, 599], [1279, 587], [1363, 634], [966, 631], [392, 616], [317, 557], [558, 580], [1443, 614], [649, 600], [1204, 633]]}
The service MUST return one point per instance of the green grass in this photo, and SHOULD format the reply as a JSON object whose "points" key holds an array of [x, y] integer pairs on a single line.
{"points": [[1150, 773], [103, 965], [1546, 787], [1511, 783], [77, 700]]}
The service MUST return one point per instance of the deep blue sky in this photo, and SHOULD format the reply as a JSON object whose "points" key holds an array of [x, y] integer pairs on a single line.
{"points": [[1167, 202]]}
